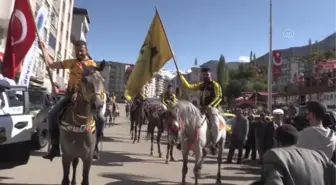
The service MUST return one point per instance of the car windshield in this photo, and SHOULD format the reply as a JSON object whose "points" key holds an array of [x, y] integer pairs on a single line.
{"points": [[229, 121], [36, 97]]}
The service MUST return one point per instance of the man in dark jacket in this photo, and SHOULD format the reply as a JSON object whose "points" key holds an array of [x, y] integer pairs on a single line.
{"points": [[269, 137], [240, 128], [251, 141], [291, 165]]}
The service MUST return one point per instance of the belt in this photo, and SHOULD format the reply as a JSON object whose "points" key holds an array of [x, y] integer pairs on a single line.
{"points": [[78, 129]]}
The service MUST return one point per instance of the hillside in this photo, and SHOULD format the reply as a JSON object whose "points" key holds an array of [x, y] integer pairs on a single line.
{"points": [[328, 43]]}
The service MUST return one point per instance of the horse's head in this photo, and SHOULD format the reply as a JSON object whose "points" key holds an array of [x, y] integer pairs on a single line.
{"points": [[171, 121], [92, 87]]}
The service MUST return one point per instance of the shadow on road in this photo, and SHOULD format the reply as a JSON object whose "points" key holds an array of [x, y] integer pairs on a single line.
{"points": [[231, 178], [24, 184], [5, 178], [119, 158], [128, 179]]}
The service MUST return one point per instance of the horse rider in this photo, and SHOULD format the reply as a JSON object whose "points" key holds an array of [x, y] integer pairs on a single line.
{"points": [[168, 98], [209, 101], [76, 69]]}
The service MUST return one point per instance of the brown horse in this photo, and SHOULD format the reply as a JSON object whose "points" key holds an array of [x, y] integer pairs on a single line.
{"points": [[137, 117], [78, 128]]}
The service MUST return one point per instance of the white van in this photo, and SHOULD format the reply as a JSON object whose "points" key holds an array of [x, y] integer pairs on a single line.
{"points": [[15, 126]]}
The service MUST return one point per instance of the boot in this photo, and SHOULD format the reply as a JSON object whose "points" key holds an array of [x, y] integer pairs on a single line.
{"points": [[54, 151]]}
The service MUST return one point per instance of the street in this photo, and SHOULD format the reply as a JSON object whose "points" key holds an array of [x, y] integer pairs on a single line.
{"points": [[124, 163]]}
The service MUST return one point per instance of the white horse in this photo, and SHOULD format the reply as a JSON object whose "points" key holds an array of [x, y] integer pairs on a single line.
{"points": [[185, 121]]}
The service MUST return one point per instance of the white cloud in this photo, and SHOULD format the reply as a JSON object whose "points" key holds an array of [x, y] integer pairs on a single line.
{"points": [[244, 59]]}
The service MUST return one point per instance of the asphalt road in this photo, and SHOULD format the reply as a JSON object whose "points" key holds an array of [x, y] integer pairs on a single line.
{"points": [[124, 163]]}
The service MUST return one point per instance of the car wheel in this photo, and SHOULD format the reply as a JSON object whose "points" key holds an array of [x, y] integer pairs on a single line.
{"points": [[40, 139]]}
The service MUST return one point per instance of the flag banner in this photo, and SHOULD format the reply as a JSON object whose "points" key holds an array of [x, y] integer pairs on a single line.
{"points": [[20, 37], [154, 54], [277, 64], [32, 55]]}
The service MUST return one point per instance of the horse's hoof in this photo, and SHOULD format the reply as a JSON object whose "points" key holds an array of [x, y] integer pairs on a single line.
{"points": [[166, 162], [151, 154], [172, 159], [65, 183], [160, 155], [73, 183], [138, 141], [218, 182]]}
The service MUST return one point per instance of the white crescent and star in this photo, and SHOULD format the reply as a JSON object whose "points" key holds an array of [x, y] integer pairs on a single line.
{"points": [[18, 14]]}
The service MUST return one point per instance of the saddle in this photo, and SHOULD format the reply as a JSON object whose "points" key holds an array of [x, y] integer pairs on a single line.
{"points": [[89, 127]]}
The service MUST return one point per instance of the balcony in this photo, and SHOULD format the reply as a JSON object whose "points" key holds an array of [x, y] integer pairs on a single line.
{"points": [[311, 86]]}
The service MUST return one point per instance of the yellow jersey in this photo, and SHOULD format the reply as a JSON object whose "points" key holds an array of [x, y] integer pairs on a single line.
{"points": [[76, 72]]}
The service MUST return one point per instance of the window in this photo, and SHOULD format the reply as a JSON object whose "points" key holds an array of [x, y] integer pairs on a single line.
{"points": [[62, 25], [59, 47], [67, 35], [37, 7], [63, 8], [2, 36], [45, 34], [36, 97], [52, 41], [14, 99]]}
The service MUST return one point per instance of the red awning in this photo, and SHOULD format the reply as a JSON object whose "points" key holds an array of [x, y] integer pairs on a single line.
{"points": [[330, 64], [1, 56]]}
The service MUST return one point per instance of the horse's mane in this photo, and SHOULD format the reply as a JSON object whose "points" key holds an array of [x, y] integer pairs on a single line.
{"points": [[188, 113]]}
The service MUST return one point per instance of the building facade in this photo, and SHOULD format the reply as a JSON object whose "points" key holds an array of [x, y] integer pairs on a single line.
{"points": [[114, 74], [56, 35]]}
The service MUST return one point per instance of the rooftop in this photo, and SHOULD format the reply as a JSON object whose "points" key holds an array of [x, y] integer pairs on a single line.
{"points": [[82, 11]]}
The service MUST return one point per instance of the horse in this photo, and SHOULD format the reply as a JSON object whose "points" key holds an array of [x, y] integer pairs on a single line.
{"points": [[109, 114], [154, 116], [137, 117], [78, 128], [185, 121]]}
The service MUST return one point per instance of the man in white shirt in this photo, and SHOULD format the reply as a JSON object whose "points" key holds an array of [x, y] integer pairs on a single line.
{"points": [[317, 137]]}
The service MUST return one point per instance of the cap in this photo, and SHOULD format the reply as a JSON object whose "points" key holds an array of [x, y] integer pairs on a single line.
{"points": [[278, 112]]}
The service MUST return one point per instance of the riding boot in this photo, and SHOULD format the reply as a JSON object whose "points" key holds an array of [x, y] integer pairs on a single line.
{"points": [[54, 151]]}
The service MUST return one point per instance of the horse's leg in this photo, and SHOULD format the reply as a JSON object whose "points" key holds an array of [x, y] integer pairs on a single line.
{"points": [[198, 162], [135, 131], [158, 139], [168, 149], [74, 170], [66, 162], [132, 128], [171, 153], [151, 132], [86, 170], [221, 144], [185, 155], [139, 131]]}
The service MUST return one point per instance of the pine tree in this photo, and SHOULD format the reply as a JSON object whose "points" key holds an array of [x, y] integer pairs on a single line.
{"points": [[195, 62], [223, 73], [251, 55]]}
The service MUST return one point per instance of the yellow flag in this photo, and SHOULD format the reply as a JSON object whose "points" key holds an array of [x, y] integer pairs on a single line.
{"points": [[154, 54]]}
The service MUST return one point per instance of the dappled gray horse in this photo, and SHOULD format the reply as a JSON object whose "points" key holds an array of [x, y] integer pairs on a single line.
{"points": [[137, 116], [77, 127], [186, 122]]}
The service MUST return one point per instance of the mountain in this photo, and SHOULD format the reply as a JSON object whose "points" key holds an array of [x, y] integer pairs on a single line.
{"points": [[326, 44]]}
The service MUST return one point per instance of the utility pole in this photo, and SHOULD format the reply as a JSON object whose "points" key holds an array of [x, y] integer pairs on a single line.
{"points": [[270, 63]]}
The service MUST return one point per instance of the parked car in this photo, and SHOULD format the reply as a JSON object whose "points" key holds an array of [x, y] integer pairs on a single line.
{"points": [[16, 126], [41, 102]]}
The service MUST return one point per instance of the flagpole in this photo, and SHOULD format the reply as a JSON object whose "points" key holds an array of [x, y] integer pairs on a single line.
{"points": [[45, 61], [164, 31], [270, 63]]}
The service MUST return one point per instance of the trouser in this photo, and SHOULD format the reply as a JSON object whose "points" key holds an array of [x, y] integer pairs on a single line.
{"points": [[251, 145], [235, 144], [53, 118]]}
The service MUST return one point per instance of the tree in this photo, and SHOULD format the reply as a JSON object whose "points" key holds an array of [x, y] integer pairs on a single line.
{"points": [[195, 61], [235, 88], [222, 73], [251, 57]]}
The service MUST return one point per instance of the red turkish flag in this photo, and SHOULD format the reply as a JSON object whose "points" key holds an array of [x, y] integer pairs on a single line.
{"points": [[20, 37]]}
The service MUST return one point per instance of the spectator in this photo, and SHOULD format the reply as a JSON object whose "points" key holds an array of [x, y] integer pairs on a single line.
{"points": [[317, 137], [291, 165], [259, 133], [251, 142], [240, 128], [269, 133]]}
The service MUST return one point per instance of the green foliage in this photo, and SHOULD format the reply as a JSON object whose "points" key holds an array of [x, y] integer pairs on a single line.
{"points": [[223, 72], [248, 77]]}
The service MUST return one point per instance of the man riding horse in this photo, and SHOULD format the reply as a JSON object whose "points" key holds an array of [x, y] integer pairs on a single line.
{"points": [[168, 98], [209, 100], [76, 74]]}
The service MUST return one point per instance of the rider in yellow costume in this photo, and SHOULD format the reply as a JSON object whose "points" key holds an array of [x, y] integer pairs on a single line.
{"points": [[168, 98], [210, 99], [76, 69]]}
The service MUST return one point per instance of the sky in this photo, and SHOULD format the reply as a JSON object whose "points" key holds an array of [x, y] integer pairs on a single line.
{"points": [[205, 29]]}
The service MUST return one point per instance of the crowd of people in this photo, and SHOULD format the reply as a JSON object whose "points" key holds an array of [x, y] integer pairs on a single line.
{"points": [[291, 151]]}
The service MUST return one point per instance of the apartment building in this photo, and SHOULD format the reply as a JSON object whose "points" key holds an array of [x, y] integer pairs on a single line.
{"points": [[291, 68], [115, 74], [160, 85], [56, 36]]}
